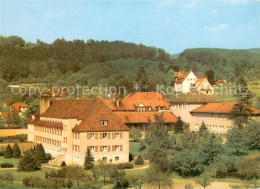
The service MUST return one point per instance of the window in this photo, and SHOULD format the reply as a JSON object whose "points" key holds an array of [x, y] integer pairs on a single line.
{"points": [[65, 139], [117, 148], [104, 135], [92, 135], [65, 128], [117, 158], [104, 148], [104, 122], [117, 135], [104, 158], [92, 148]]}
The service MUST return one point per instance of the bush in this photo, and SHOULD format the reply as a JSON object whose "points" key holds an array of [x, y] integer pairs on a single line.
{"points": [[131, 157], [8, 152], [2, 153], [139, 160], [16, 151], [36, 182], [125, 166], [28, 162], [247, 169], [6, 165], [63, 164], [48, 156]]}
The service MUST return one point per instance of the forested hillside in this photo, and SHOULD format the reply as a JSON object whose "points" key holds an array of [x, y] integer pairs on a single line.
{"points": [[115, 63], [227, 64], [78, 62]]}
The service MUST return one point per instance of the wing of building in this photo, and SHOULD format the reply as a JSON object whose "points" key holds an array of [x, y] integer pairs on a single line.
{"points": [[217, 116], [66, 128], [139, 108]]}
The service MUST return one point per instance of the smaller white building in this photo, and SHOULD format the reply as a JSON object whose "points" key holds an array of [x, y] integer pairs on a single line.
{"points": [[186, 82]]}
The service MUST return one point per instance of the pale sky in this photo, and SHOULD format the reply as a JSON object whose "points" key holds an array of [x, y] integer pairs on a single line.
{"points": [[168, 24]]}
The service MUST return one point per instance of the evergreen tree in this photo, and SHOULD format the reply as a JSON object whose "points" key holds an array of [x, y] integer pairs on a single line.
{"points": [[179, 126], [8, 152], [16, 119], [9, 120], [88, 164], [139, 160], [210, 74], [203, 127], [63, 164], [16, 151], [29, 162], [40, 154]]}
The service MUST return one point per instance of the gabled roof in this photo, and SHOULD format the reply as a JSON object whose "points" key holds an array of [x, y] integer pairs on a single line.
{"points": [[221, 107], [132, 100], [199, 81], [91, 112], [144, 117], [5, 114], [193, 98], [18, 105]]}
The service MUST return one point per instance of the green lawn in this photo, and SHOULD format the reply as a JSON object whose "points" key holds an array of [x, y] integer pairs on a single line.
{"points": [[20, 175], [134, 149], [13, 161]]}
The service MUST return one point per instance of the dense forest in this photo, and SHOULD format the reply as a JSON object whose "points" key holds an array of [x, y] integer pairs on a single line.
{"points": [[66, 63], [227, 64]]}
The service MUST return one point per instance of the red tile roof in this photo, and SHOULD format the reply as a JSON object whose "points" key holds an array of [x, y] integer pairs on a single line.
{"points": [[48, 124], [144, 117], [18, 105], [90, 111], [132, 100], [221, 107], [5, 114]]}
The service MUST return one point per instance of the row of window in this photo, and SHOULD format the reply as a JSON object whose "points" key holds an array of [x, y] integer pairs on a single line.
{"points": [[48, 130], [107, 148], [104, 135], [213, 127], [149, 108], [179, 106], [210, 115], [76, 158], [48, 141]]}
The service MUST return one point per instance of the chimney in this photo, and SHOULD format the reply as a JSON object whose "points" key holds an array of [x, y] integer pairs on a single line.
{"points": [[45, 102], [117, 101]]}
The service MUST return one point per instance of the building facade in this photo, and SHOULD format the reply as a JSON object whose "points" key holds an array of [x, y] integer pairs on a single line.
{"points": [[66, 128], [139, 108], [217, 116]]}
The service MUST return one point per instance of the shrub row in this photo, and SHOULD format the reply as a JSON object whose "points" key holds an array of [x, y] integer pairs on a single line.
{"points": [[6, 165], [125, 166]]}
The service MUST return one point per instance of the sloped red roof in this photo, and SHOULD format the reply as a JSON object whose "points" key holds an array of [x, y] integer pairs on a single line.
{"points": [[144, 117], [91, 112], [221, 107], [199, 81], [5, 114], [132, 100], [219, 81], [48, 124], [18, 105]]}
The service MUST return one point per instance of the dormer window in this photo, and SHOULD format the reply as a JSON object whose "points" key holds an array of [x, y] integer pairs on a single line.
{"points": [[104, 122]]}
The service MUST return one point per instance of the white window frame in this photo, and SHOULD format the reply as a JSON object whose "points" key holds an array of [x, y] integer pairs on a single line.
{"points": [[117, 158], [117, 135], [92, 135], [104, 148], [104, 122], [117, 148], [104, 135], [92, 148]]}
